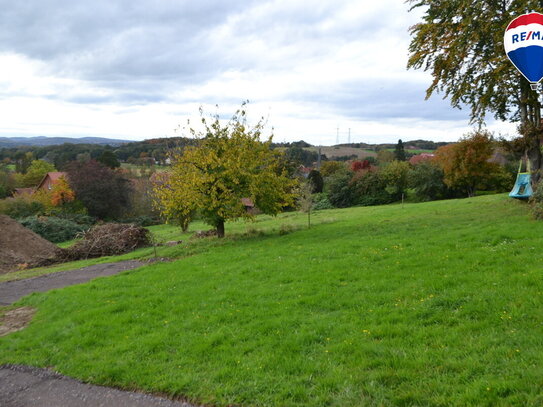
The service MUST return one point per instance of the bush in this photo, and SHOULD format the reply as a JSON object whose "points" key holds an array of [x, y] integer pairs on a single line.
{"points": [[321, 201], [394, 174], [339, 189], [53, 229], [500, 180], [427, 179], [79, 218], [21, 207], [370, 189]]}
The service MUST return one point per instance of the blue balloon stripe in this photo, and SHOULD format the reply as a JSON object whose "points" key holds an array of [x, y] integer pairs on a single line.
{"points": [[529, 61]]}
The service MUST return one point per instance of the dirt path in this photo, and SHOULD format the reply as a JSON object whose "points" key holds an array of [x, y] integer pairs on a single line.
{"points": [[23, 386], [12, 291]]}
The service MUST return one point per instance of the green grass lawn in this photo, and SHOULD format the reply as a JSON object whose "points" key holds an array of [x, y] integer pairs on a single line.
{"points": [[431, 304], [163, 233]]}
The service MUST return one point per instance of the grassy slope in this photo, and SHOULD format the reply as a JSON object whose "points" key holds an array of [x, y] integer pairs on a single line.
{"points": [[432, 304], [164, 233]]}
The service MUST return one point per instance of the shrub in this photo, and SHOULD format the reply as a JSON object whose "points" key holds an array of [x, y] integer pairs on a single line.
{"points": [[53, 229], [339, 190], [394, 174], [500, 180], [427, 179], [79, 218], [370, 189], [321, 201], [21, 207]]}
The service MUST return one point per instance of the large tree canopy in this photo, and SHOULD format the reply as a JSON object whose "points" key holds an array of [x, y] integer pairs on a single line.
{"points": [[461, 43], [229, 163], [104, 192], [466, 164]]}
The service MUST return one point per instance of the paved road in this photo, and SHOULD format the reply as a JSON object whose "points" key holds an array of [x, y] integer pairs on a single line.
{"points": [[14, 290], [24, 386]]}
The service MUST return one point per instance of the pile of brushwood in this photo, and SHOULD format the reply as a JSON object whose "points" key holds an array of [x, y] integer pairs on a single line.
{"points": [[108, 240]]}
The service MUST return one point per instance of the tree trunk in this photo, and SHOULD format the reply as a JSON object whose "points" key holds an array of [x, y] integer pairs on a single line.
{"points": [[530, 118], [220, 228]]}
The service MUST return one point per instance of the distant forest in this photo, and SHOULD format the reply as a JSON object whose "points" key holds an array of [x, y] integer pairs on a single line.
{"points": [[156, 151], [153, 151]]}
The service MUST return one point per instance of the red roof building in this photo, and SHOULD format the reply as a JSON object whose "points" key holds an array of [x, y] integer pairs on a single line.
{"points": [[49, 179], [420, 158]]}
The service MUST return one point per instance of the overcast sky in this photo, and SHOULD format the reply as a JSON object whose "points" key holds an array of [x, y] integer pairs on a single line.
{"points": [[137, 69]]}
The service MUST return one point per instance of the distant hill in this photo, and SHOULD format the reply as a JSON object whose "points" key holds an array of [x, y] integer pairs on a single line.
{"points": [[11, 142]]}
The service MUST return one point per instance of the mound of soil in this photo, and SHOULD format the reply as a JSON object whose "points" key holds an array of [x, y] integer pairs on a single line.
{"points": [[21, 248]]}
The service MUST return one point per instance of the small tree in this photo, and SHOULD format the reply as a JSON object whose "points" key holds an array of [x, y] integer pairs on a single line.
{"points": [[305, 199], [395, 177], [166, 202], [399, 151], [109, 159], [466, 164], [358, 165], [316, 181], [339, 189], [36, 171], [7, 183], [385, 156], [369, 188], [228, 164]]}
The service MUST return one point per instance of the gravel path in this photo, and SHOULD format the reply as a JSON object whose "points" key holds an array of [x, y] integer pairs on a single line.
{"points": [[12, 291], [24, 386]]}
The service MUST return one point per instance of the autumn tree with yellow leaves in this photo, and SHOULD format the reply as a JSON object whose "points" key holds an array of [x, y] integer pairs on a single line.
{"points": [[229, 163]]}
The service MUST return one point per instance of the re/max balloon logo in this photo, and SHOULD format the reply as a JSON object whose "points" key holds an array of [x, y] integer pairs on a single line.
{"points": [[523, 43], [525, 36]]}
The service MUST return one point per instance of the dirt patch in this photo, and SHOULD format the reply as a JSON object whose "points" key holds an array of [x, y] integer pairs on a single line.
{"points": [[16, 319], [22, 248]]}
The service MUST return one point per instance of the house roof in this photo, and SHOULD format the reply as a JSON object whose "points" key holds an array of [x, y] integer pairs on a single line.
{"points": [[247, 202], [23, 191], [54, 176], [421, 157]]}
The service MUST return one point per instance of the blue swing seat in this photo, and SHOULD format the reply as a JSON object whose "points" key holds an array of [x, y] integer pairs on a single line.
{"points": [[523, 186]]}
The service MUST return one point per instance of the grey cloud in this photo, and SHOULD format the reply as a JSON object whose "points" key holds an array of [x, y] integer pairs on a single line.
{"points": [[142, 51], [386, 100], [114, 41]]}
